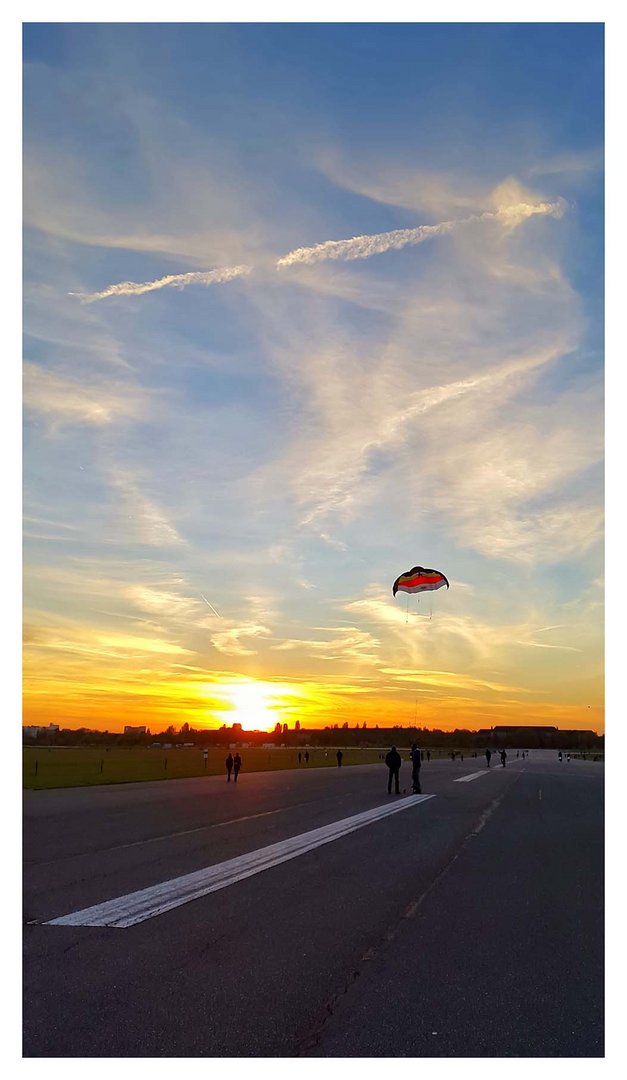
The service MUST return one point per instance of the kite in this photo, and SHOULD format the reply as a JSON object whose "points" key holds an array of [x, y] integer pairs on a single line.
{"points": [[419, 579]]}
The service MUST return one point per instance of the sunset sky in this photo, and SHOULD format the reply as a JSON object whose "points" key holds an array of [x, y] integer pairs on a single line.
{"points": [[307, 305]]}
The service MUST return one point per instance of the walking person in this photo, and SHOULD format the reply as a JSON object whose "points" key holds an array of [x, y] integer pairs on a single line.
{"points": [[237, 764], [393, 762], [428, 755], [339, 757], [306, 757], [229, 767], [415, 769], [300, 757], [488, 755], [503, 757]]}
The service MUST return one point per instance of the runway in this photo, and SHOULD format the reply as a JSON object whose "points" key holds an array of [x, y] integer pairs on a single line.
{"points": [[343, 921]]}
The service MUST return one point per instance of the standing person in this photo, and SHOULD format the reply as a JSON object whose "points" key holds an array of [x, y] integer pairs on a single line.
{"points": [[428, 755], [393, 762], [306, 757], [300, 757], [488, 755], [503, 757], [339, 757], [237, 764], [229, 767], [415, 769]]}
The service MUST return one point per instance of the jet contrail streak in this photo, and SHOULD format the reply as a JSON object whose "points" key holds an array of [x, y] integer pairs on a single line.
{"points": [[362, 247], [358, 247], [135, 288], [211, 606]]}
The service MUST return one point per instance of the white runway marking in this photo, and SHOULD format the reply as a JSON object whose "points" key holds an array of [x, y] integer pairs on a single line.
{"points": [[200, 828], [471, 776], [136, 907]]}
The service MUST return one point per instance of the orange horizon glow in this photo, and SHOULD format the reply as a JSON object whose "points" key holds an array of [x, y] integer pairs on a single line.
{"points": [[259, 704]]}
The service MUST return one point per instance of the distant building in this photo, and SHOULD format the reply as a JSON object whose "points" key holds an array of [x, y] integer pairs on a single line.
{"points": [[507, 729], [141, 730], [33, 730]]}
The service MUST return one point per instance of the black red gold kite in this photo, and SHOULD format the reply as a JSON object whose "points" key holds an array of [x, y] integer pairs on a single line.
{"points": [[419, 579]]}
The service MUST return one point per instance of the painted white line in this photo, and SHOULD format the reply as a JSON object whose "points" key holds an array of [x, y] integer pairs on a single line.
{"points": [[136, 907], [471, 776], [200, 828]]}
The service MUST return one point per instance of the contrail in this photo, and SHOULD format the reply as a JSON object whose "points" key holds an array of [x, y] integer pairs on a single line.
{"points": [[358, 247], [211, 606], [362, 247], [135, 288]]}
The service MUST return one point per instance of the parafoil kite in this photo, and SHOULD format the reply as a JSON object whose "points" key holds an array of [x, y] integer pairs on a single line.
{"points": [[419, 579]]}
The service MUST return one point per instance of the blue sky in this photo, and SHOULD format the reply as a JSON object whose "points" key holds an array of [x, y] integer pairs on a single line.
{"points": [[227, 467]]}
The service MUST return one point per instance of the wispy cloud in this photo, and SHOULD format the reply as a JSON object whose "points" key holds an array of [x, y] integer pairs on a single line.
{"points": [[67, 400], [237, 640], [348, 643], [93, 642], [449, 680], [150, 524]]}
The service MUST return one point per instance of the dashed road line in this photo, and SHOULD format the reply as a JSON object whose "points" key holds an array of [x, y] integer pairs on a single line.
{"points": [[471, 776]]}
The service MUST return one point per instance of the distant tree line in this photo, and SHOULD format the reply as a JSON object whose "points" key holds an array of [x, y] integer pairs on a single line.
{"points": [[333, 735]]}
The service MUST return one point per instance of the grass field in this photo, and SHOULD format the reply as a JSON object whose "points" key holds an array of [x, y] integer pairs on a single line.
{"points": [[79, 766], [55, 767]]}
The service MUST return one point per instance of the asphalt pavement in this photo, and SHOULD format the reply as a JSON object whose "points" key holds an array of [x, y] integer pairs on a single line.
{"points": [[469, 924]]}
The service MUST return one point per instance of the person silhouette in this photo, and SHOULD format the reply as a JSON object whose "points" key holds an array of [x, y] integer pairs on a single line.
{"points": [[229, 767], [488, 755], [339, 757], [415, 768], [237, 764], [503, 757], [393, 762]]}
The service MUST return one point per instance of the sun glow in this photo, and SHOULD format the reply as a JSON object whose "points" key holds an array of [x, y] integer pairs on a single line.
{"points": [[254, 705]]}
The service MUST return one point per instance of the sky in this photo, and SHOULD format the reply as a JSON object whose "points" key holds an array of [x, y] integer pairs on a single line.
{"points": [[306, 305]]}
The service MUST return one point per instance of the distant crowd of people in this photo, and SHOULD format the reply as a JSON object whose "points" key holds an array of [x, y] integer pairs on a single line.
{"points": [[393, 761]]}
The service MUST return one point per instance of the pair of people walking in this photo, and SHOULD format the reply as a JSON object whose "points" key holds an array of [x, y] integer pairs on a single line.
{"points": [[233, 765]]}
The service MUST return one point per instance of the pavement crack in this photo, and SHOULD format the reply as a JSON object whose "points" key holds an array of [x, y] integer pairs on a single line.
{"points": [[312, 1038]]}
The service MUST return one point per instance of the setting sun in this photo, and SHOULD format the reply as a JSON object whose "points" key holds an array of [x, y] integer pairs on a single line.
{"points": [[254, 704]]}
